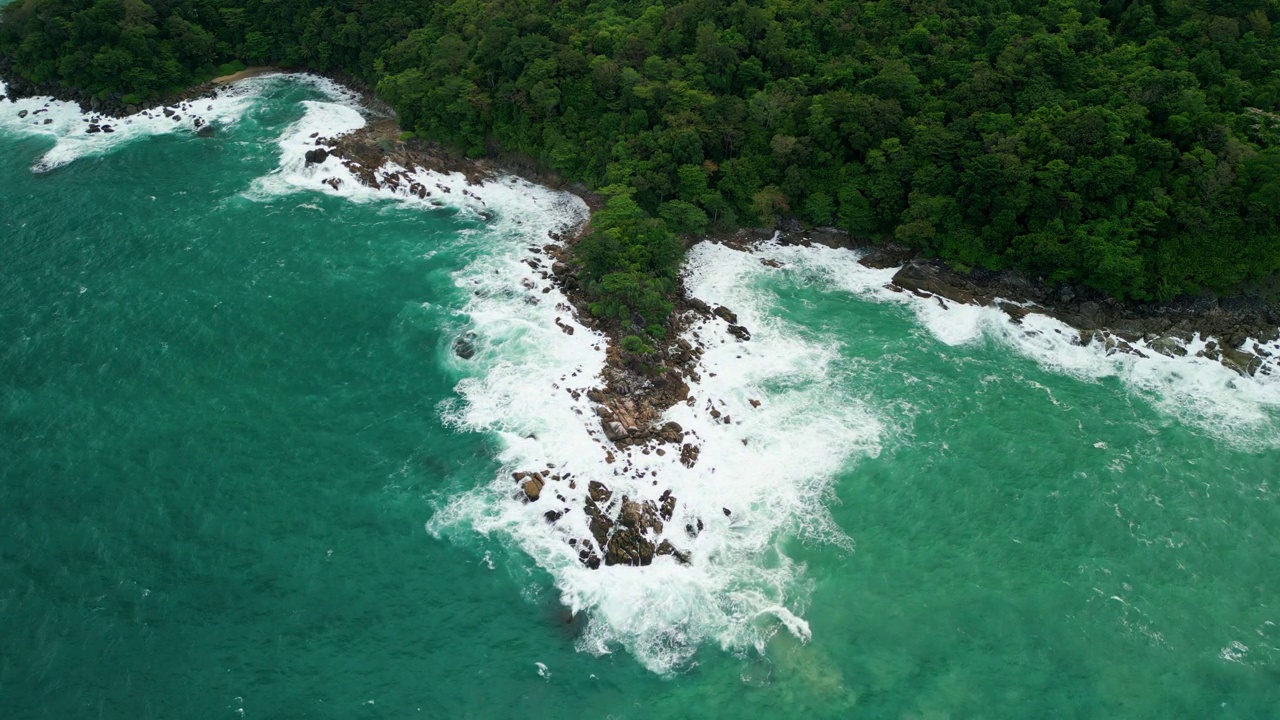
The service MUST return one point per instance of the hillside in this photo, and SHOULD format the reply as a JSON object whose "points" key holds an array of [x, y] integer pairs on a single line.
{"points": [[1130, 147]]}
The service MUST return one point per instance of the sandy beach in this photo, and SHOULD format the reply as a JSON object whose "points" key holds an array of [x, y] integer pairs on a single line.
{"points": [[246, 73]]}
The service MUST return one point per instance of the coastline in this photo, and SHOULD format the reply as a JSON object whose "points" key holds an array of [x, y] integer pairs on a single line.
{"points": [[1232, 320], [635, 390]]}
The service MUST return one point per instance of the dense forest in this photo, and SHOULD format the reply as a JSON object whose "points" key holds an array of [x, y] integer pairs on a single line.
{"points": [[1132, 146]]}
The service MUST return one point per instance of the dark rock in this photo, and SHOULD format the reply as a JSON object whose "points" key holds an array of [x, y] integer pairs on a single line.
{"points": [[1242, 362], [22, 114], [317, 156], [590, 559], [1015, 312], [108, 129], [598, 492], [740, 332], [666, 548], [1168, 346], [726, 314], [671, 432], [667, 508], [689, 455], [628, 547], [464, 346], [888, 255], [699, 306], [928, 278], [168, 112], [641, 516]]}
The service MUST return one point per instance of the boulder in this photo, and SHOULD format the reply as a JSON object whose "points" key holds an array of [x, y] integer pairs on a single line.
{"points": [[598, 492], [532, 487], [671, 432], [316, 156], [689, 455], [614, 430], [726, 314], [1242, 362], [740, 332], [1015, 312], [628, 547], [666, 548], [1168, 346], [887, 256], [667, 508], [639, 516], [464, 346], [927, 278]]}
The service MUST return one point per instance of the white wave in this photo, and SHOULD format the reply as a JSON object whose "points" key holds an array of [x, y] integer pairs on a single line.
{"points": [[69, 128], [542, 209], [770, 468], [1203, 393]]}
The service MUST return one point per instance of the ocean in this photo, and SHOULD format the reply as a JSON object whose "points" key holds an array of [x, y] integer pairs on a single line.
{"points": [[243, 472]]}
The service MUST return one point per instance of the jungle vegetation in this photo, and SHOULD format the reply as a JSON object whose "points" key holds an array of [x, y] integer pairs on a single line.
{"points": [[1131, 146]]}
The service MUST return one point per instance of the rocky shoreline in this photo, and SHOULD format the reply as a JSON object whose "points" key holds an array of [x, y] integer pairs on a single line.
{"points": [[638, 388], [635, 390], [1239, 325]]}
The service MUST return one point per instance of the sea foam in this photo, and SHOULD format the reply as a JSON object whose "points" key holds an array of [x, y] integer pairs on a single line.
{"points": [[770, 468], [68, 126], [762, 480], [1200, 392]]}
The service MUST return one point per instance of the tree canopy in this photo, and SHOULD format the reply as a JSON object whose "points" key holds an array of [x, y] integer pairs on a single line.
{"points": [[1132, 146]]}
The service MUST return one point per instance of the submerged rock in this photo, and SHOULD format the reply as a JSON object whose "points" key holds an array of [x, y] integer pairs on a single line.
{"points": [[464, 346]]}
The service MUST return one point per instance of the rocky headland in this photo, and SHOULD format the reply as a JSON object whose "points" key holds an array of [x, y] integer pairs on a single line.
{"points": [[637, 388]]}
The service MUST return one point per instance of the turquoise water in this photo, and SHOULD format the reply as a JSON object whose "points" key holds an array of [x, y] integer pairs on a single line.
{"points": [[231, 420]]}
